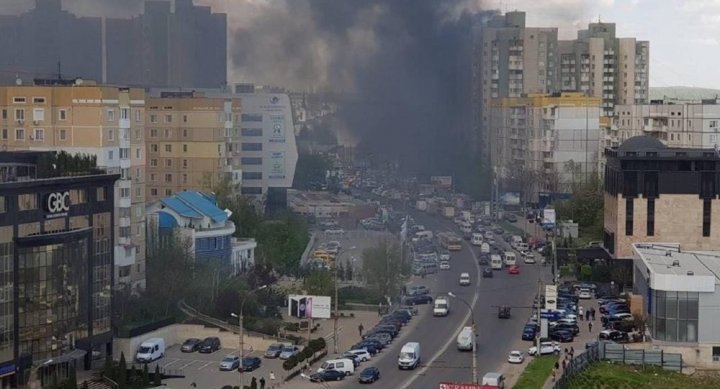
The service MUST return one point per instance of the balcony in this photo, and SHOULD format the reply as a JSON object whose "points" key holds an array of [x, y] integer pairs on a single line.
{"points": [[124, 202], [124, 254], [124, 123], [124, 221]]}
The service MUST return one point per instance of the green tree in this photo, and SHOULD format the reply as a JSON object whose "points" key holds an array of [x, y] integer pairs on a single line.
{"points": [[122, 372], [584, 207], [170, 268], [281, 243], [145, 375], [157, 378], [320, 282], [383, 269]]}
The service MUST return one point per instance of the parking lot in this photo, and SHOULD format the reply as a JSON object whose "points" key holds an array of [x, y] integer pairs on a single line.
{"points": [[203, 369]]}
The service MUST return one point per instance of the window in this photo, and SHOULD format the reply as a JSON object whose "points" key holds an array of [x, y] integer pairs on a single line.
{"points": [[168, 148], [707, 209], [154, 148], [674, 316], [39, 135], [152, 176], [629, 216], [252, 117], [252, 175], [124, 232], [19, 114], [19, 134], [124, 192], [3, 206], [4, 133], [78, 196], [168, 118], [124, 153], [251, 131], [110, 115], [28, 201], [38, 100], [168, 177], [38, 114], [168, 192], [153, 118], [713, 124], [184, 118], [137, 152], [650, 217], [101, 193], [185, 148], [153, 191], [19, 100], [168, 133], [153, 133], [184, 178], [252, 147], [62, 114], [153, 162], [716, 354], [185, 133], [125, 113], [251, 161], [63, 134], [111, 154], [111, 135], [168, 163], [185, 163], [138, 115], [4, 114]]}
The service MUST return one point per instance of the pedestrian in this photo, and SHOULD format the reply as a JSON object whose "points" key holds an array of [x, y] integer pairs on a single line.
{"points": [[572, 351], [589, 326], [557, 365], [553, 373], [379, 309], [587, 315], [564, 364], [565, 351], [360, 329], [272, 378], [592, 313], [262, 382], [580, 312]]}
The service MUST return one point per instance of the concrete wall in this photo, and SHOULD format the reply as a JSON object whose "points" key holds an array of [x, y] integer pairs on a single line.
{"points": [[175, 334], [709, 317]]}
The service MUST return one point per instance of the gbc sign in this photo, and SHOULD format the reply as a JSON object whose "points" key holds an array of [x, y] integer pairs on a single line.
{"points": [[58, 202]]}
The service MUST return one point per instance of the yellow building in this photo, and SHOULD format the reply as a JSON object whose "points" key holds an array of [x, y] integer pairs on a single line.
{"points": [[82, 117], [192, 142]]}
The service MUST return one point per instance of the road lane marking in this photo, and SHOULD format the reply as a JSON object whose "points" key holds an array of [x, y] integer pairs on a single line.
{"points": [[170, 363], [186, 365], [205, 365]]}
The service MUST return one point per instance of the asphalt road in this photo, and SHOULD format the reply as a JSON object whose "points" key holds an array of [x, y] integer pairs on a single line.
{"points": [[441, 361]]}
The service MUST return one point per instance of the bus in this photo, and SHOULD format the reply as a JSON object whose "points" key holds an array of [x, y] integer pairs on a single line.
{"points": [[510, 258], [450, 241]]}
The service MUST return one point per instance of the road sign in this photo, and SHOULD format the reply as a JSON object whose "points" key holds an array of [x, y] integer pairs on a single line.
{"points": [[452, 385]]}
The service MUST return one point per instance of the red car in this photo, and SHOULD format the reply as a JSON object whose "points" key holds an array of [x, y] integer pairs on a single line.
{"points": [[514, 269]]}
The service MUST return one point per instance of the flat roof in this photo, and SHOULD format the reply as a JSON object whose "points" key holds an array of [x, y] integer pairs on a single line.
{"points": [[672, 269]]}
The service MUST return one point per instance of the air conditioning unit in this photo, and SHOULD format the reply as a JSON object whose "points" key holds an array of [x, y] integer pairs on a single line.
{"points": [[21, 122], [36, 122]]}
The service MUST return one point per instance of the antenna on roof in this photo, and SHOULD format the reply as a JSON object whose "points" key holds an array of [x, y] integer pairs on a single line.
{"points": [[59, 67]]}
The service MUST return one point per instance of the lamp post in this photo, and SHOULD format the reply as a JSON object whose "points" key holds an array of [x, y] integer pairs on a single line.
{"points": [[474, 335], [335, 322], [242, 332]]}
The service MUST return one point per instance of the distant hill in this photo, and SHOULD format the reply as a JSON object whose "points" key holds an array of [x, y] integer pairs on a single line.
{"points": [[683, 93]]}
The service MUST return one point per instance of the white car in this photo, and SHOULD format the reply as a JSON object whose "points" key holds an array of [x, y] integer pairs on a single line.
{"points": [[362, 355], [445, 256], [545, 348], [529, 257], [444, 265], [464, 279], [585, 294], [516, 356]]}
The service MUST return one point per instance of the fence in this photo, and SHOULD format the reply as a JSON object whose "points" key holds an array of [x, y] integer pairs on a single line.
{"points": [[125, 332], [617, 353]]}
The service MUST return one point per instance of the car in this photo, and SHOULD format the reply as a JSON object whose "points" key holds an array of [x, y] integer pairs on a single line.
{"points": [[274, 350], [445, 256], [230, 362], [546, 348], [464, 279], [383, 337], [354, 358], [562, 336], [585, 294], [363, 355], [190, 345], [327, 375], [483, 260], [416, 300], [250, 364], [529, 258], [371, 349], [444, 265], [514, 269], [374, 342], [209, 345], [487, 272], [529, 333], [418, 290], [289, 351], [614, 335], [369, 375], [573, 328], [567, 320], [515, 356]]}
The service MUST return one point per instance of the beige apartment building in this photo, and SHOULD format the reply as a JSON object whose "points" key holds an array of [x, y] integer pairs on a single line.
{"points": [[83, 117], [192, 143]]}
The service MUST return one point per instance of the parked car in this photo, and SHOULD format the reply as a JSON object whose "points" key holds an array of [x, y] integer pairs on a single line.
{"points": [[614, 335], [209, 345], [230, 362], [585, 294], [516, 356], [289, 351], [529, 333], [418, 290], [382, 337], [274, 350], [362, 354], [327, 375], [369, 375], [250, 363], [564, 336], [573, 328], [190, 345], [545, 348], [416, 300]]}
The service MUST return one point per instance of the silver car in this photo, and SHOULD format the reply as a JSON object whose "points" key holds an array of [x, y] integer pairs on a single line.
{"points": [[289, 351], [274, 350], [230, 362]]}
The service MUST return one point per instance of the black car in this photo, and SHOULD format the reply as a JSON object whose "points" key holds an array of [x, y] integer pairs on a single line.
{"points": [[374, 342], [209, 345], [369, 375], [250, 364], [382, 337], [562, 336], [190, 345], [484, 260], [487, 272], [366, 346], [416, 300], [573, 328], [327, 375], [392, 327], [352, 357], [528, 334]]}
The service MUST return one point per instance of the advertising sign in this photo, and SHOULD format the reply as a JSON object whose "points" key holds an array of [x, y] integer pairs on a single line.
{"points": [[510, 198], [277, 133], [306, 307], [441, 182], [551, 297], [277, 165], [453, 385], [56, 204], [548, 220]]}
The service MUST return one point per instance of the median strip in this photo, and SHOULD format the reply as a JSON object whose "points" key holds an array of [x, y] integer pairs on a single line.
{"points": [[537, 372]]}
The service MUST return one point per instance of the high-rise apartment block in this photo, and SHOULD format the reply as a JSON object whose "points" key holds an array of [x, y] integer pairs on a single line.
{"points": [[105, 121], [192, 142], [180, 46], [545, 142]]}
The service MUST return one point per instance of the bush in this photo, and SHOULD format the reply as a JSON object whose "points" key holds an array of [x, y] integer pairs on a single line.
{"points": [[308, 352], [301, 357], [360, 295], [586, 272], [321, 343], [291, 327], [264, 326], [290, 363]]}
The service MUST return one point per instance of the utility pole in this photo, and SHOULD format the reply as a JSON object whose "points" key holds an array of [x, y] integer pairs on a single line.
{"points": [[539, 320]]}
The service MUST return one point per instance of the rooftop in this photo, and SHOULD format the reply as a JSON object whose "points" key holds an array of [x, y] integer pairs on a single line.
{"points": [[670, 268], [648, 147], [195, 205]]}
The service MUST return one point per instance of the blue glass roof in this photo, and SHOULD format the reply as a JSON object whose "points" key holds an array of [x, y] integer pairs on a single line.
{"points": [[181, 208], [203, 204]]}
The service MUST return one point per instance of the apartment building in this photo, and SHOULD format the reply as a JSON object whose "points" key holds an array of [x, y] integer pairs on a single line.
{"points": [[82, 117], [192, 142], [676, 124], [655, 194], [549, 142], [600, 64]]}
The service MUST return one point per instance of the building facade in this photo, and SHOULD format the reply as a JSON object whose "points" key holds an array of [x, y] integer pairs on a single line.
{"points": [[549, 142], [105, 121], [192, 142], [680, 290], [56, 251], [655, 193], [194, 217]]}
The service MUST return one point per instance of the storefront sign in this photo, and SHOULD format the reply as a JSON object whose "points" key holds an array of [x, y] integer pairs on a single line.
{"points": [[56, 204]]}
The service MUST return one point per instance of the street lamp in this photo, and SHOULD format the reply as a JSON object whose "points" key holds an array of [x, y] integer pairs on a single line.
{"points": [[335, 324], [242, 334], [474, 335]]}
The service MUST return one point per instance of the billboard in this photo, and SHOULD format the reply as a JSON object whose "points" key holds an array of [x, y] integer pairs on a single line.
{"points": [[548, 219], [551, 296], [510, 198], [278, 129], [547, 198], [306, 307], [441, 182], [454, 385], [277, 165]]}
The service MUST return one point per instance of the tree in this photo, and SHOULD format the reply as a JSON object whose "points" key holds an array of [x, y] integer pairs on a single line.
{"points": [[585, 207], [157, 379], [383, 269], [122, 372], [320, 282], [145, 375], [170, 269]]}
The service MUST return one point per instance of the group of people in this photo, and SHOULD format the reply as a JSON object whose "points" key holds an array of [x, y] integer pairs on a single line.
{"points": [[588, 314], [564, 362]]}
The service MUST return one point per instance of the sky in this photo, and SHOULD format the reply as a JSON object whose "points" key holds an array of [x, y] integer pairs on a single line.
{"points": [[684, 35]]}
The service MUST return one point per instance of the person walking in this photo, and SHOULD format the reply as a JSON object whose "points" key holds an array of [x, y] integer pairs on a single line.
{"points": [[592, 313], [360, 329], [262, 382], [564, 364], [572, 352], [587, 315], [580, 312], [554, 371], [589, 326]]}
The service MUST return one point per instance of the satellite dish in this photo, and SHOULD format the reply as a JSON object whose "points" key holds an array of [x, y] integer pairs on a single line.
{"points": [[18, 81]]}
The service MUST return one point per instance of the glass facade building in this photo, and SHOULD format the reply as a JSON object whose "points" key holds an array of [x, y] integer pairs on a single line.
{"points": [[674, 316]]}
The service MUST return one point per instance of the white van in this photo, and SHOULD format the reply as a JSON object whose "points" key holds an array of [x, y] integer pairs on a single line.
{"points": [[485, 248], [476, 239], [493, 380], [465, 339], [442, 306], [344, 365], [521, 246], [510, 258], [150, 350], [496, 262], [409, 357], [515, 240]]}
